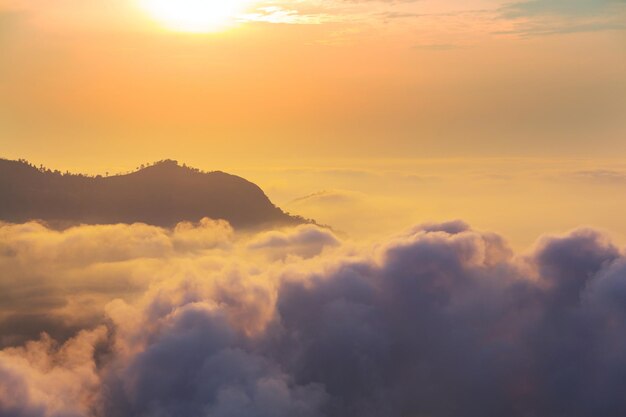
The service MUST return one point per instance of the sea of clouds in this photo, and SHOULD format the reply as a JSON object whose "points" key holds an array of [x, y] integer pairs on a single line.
{"points": [[440, 320]]}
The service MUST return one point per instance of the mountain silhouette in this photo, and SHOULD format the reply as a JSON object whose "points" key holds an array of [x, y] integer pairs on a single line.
{"points": [[161, 194]]}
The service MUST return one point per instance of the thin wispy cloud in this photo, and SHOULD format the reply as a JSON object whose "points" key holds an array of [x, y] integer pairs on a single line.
{"points": [[550, 17], [279, 15], [562, 7]]}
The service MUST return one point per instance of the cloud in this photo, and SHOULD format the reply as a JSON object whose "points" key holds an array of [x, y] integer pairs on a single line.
{"points": [[439, 320], [44, 379], [560, 7], [602, 176], [61, 281], [328, 197], [337, 207], [547, 17], [304, 240], [67, 11], [278, 14]]}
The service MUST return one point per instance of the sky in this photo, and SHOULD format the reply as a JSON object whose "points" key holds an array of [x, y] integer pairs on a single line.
{"points": [[477, 103], [89, 85]]}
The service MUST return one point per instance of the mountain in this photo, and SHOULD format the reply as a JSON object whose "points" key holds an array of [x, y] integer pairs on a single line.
{"points": [[161, 194]]}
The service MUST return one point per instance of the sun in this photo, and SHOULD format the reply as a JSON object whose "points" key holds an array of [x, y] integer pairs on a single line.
{"points": [[199, 16]]}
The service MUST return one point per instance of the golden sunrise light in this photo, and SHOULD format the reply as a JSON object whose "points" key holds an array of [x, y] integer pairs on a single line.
{"points": [[312, 208], [195, 16]]}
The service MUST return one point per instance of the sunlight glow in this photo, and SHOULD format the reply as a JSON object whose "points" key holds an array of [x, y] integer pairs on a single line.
{"points": [[198, 16]]}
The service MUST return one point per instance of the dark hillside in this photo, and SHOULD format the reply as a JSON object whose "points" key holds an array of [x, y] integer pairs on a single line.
{"points": [[162, 194]]}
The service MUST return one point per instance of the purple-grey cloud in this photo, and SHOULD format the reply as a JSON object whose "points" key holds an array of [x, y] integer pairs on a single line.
{"points": [[440, 320]]}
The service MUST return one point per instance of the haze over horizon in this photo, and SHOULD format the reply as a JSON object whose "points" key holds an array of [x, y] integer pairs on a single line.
{"points": [[373, 198]]}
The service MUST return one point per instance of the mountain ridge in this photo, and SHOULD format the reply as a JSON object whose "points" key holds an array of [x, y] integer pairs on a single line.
{"points": [[163, 194]]}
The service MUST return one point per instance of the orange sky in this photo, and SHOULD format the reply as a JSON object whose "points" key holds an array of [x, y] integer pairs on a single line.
{"points": [[101, 83], [101, 86]]}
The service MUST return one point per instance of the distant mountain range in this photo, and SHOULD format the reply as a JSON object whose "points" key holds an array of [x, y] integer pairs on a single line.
{"points": [[161, 194]]}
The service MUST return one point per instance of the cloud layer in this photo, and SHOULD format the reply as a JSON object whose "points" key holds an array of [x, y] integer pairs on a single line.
{"points": [[440, 320]]}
